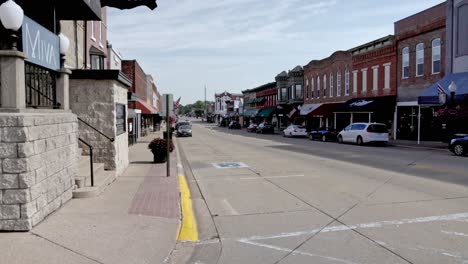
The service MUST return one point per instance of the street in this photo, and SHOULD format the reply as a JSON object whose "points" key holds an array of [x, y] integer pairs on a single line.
{"points": [[293, 200]]}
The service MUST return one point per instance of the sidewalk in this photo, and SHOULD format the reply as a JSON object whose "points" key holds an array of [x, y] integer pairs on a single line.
{"points": [[135, 220], [422, 144]]}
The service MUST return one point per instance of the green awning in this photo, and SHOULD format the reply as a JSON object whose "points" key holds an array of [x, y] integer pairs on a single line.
{"points": [[266, 112], [250, 112]]}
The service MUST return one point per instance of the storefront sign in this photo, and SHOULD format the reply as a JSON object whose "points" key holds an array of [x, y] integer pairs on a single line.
{"points": [[120, 118], [360, 103], [41, 46]]}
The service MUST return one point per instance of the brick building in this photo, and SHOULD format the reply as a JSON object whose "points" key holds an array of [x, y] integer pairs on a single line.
{"points": [[421, 59], [96, 43], [290, 95], [260, 103], [228, 106]]}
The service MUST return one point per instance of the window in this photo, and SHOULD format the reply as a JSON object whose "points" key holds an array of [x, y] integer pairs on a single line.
{"points": [[338, 83], [405, 63], [436, 56], [461, 45], [97, 62], [120, 118], [387, 75], [420, 59], [355, 73], [298, 91], [307, 89], [92, 31], [375, 78], [284, 94], [324, 85], [364, 80], [346, 85], [331, 85], [312, 88], [100, 33], [318, 86]]}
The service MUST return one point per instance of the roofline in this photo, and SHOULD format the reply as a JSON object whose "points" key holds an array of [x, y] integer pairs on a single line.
{"points": [[420, 12], [388, 37], [260, 87]]}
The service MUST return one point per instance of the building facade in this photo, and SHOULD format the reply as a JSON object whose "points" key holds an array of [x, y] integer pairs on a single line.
{"points": [[228, 106], [260, 104], [421, 40], [290, 96]]}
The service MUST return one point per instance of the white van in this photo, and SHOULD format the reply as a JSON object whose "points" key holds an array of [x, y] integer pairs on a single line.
{"points": [[362, 133]]}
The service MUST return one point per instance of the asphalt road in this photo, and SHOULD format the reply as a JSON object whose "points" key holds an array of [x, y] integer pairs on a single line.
{"points": [[299, 201]]}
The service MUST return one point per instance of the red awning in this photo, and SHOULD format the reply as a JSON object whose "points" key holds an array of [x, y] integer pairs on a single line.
{"points": [[144, 107], [325, 110]]}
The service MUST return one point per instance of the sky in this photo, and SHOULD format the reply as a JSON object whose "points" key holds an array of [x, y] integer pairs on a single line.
{"points": [[234, 45]]}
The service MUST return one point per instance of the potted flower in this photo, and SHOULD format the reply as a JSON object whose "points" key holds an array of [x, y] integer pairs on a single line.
{"points": [[159, 149]]}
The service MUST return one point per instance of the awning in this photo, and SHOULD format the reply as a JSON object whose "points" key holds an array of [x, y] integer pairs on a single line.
{"points": [[307, 108], [266, 112], [144, 107], [250, 112], [129, 4], [65, 10], [431, 96], [368, 105], [325, 110], [95, 51]]}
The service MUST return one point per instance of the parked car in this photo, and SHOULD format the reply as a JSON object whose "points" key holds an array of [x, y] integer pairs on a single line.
{"points": [[184, 131], [182, 123], [234, 125], [323, 134], [252, 127], [295, 131], [264, 128], [459, 146], [362, 133]]}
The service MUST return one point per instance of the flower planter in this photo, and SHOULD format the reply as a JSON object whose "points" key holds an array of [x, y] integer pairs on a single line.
{"points": [[159, 149]]}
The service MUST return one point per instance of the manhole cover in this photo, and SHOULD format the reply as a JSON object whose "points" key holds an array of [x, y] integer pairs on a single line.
{"points": [[229, 165]]}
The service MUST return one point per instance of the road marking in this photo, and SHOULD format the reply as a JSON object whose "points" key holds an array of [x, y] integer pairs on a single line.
{"points": [[188, 230], [454, 233], [229, 207], [296, 252], [339, 228]]}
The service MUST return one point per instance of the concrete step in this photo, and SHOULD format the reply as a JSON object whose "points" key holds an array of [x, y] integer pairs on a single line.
{"points": [[102, 179]]}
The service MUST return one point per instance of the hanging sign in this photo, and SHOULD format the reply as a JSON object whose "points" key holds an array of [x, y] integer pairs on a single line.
{"points": [[40, 46]]}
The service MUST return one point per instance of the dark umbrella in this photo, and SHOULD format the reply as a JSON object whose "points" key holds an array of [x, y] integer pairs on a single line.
{"points": [[129, 4]]}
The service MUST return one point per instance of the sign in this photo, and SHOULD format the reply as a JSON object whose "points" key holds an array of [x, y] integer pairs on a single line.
{"points": [[120, 118], [229, 165], [165, 102], [360, 103], [41, 46]]}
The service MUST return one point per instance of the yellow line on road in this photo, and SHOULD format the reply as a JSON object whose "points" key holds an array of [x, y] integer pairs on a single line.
{"points": [[188, 230]]}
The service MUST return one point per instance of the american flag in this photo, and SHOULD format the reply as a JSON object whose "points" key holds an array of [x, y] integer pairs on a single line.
{"points": [[440, 89], [292, 112], [176, 104]]}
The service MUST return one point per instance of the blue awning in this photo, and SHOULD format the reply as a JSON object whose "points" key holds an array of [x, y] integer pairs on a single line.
{"points": [[431, 96]]}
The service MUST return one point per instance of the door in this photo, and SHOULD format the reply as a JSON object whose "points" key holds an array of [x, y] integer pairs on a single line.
{"points": [[345, 133]]}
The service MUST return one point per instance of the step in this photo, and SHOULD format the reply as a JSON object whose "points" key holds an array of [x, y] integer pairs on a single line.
{"points": [[101, 181]]}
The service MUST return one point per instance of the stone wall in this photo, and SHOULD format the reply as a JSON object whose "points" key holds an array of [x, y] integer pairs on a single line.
{"points": [[38, 155], [94, 102]]}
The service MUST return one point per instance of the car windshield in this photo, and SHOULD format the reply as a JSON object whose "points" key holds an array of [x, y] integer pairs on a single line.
{"points": [[184, 127], [377, 129]]}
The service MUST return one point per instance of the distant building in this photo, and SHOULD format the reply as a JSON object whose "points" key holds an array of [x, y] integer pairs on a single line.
{"points": [[260, 104], [228, 105]]}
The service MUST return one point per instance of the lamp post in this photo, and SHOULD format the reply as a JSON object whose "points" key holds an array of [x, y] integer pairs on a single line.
{"points": [[452, 89], [11, 16], [64, 45]]}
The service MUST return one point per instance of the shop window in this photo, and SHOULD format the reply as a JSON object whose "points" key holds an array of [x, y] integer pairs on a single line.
{"points": [[420, 59], [405, 63], [436, 56]]}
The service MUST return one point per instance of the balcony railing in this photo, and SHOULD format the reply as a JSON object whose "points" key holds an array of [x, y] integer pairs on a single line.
{"points": [[41, 90]]}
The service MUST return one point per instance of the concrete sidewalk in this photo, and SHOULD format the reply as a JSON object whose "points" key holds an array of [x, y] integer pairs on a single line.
{"points": [[136, 220], [422, 144]]}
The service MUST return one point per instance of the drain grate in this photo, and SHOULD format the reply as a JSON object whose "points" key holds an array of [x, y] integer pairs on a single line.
{"points": [[229, 165]]}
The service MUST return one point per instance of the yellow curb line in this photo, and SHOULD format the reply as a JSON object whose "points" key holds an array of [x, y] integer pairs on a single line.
{"points": [[188, 229]]}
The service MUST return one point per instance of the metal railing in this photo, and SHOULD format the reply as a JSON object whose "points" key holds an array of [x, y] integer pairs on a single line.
{"points": [[95, 129], [41, 89], [91, 165]]}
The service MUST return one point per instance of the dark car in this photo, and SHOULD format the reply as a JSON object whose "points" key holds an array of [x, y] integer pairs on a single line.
{"points": [[184, 131], [323, 134], [234, 125], [265, 129], [182, 123], [252, 128], [459, 146]]}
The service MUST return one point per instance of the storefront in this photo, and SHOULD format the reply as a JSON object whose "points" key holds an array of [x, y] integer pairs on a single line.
{"points": [[249, 115], [372, 109], [320, 115], [265, 115]]}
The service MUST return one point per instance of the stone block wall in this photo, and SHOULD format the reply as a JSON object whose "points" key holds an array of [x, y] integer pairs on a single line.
{"points": [[39, 157], [94, 101]]}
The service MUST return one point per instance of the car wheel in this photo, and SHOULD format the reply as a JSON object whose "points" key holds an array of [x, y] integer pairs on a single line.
{"points": [[340, 139], [324, 138], [459, 150], [311, 137], [359, 140]]}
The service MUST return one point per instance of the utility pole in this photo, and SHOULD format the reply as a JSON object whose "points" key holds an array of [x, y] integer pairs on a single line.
{"points": [[206, 110], [168, 140]]}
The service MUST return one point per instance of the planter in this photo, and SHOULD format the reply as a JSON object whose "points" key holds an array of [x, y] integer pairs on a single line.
{"points": [[159, 157]]}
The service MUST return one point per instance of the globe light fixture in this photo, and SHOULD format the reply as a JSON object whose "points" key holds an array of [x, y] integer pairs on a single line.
{"points": [[64, 43], [11, 16], [452, 87]]}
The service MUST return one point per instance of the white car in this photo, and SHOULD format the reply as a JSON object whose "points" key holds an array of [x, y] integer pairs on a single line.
{"points": [[295, 131], [362, 133]]}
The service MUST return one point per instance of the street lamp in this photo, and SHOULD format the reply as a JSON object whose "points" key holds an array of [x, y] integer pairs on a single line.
{"points": [[11, 16], [453, 89], [64, 45]]}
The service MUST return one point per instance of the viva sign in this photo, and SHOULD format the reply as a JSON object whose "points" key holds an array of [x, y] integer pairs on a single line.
{"points": [[41, 46]]}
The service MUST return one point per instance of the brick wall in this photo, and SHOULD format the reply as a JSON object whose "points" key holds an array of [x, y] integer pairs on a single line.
{"points": [[39, 157], [134, 72]]}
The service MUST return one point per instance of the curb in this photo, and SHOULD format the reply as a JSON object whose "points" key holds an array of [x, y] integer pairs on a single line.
{"points": [[188, 229]]}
